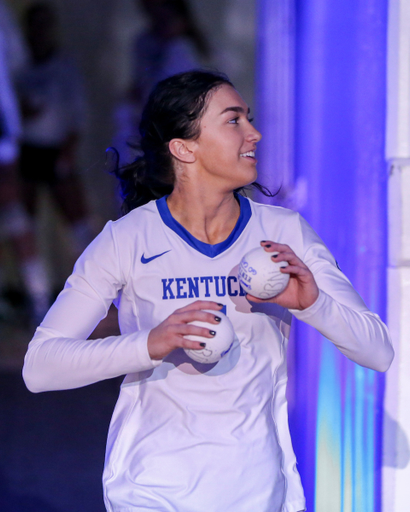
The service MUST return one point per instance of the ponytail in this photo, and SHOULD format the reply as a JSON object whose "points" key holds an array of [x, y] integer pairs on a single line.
{"points": [[138, 185]]}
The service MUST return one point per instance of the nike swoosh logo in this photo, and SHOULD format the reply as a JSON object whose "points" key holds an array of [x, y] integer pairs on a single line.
{"points": [[147, 260]]}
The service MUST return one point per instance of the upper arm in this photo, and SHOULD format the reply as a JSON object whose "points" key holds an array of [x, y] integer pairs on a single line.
{"points": [[90, 290]]}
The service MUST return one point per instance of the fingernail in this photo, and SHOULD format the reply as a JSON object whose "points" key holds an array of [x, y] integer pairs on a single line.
{"points": [[212, 333], [275, 256], [218, 318], [220, 305], [203, 345], [268, 245], [263, 241]]}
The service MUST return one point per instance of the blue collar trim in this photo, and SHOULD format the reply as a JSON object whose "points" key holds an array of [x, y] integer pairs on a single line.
{"points": [[209, 250]]}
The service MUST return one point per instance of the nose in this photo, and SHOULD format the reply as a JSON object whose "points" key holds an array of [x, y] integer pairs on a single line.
{"points": [[254, 135]]}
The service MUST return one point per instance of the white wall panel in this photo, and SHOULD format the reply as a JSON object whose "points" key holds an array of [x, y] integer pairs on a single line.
{"points": [[396, 456]]}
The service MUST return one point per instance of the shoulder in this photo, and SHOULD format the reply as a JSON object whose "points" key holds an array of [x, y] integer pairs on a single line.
{"points": [[267, 212], [117, 242], [293, 228], [137, 221]]}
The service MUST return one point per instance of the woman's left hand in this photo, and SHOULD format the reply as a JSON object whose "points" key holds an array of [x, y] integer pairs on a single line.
{"points": [[302, 290]]}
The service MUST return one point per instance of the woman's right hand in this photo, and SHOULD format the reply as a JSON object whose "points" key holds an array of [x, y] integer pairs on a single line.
{"points": [[169, 334]]}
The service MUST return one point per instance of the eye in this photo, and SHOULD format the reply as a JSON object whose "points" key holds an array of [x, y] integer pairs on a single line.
{"points": [[235, 120]]}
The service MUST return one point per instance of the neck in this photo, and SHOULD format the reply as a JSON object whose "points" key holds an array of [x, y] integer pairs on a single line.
{"points": [[209, 217]]}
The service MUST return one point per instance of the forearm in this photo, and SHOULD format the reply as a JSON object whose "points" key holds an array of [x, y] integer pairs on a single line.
{"points": [[55, 362]]}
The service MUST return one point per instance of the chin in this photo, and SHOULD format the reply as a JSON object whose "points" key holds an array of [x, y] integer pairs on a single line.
{"points": [[243, 185], [249, 180], [241, 180]]}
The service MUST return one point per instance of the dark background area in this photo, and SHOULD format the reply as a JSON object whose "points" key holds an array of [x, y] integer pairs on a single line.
{"points": [[52, 446]]}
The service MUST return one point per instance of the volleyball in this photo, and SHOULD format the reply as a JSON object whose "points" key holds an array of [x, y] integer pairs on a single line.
{"points": [[260, 276], [218, 345]]}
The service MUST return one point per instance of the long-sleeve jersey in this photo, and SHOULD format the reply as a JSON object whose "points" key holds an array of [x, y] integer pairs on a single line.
{"points": [[188, 437]]}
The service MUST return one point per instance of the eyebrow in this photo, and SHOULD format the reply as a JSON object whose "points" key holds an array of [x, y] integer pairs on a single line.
{"points": [[240, 110]]}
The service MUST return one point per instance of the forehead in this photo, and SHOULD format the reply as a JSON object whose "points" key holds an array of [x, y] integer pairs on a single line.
{"points": [[225, 97]]}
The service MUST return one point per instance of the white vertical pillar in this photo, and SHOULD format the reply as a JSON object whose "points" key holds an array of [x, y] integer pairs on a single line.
{"points": [[396, 453]]}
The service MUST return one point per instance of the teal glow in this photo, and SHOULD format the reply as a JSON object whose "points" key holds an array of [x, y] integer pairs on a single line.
{"points": [[328, 487], [359, 446], [370, 433], [347, 442], [345, 435]]}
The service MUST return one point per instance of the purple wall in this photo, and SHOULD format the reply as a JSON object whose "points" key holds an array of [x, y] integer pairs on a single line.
{"points": [[338, 148]]}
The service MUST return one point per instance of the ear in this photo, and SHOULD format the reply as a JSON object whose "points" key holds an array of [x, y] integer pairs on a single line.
{"points": [[182, 150]]}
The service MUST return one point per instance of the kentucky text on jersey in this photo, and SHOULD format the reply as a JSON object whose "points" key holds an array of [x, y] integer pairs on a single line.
{"points": [[199, 287]]}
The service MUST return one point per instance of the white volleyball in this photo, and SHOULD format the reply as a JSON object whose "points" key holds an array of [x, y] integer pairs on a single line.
{"points": [[218, 345], [260, 276]]}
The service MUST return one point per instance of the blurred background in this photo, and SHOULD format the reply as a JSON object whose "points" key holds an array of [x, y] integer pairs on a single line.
{"points": [[80, 71], [329, 83], [100, 46]]}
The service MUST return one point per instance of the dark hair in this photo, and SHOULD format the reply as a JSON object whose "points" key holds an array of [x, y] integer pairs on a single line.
{"points": [[174, 110]]}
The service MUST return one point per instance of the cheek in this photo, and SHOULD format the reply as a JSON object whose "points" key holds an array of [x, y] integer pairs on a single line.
{"points": [[215, 151]]}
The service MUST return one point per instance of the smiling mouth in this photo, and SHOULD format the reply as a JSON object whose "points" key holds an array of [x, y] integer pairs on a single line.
{"points": [[248, 154]]}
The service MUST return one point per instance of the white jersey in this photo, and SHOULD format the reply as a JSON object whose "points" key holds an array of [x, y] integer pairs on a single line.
{"points": [[188, 437]]}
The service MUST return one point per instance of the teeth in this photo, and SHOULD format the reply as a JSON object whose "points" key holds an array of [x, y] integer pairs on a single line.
{"points": [[249, 153]]}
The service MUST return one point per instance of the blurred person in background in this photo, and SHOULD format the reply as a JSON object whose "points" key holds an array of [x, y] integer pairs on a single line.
{"points": [[53, 110], [172, 44], [14, 222], [15, 48]]}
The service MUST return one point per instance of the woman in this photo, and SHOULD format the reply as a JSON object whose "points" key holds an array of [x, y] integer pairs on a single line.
{"points": [[184, 436]]}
